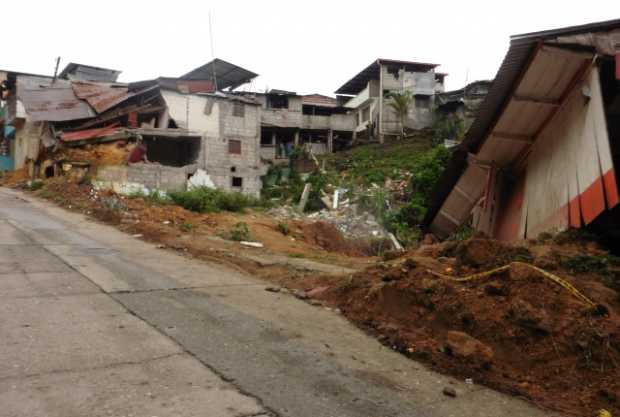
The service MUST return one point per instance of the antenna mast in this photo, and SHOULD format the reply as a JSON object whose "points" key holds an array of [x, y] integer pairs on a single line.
{"points": [[212, 52]]}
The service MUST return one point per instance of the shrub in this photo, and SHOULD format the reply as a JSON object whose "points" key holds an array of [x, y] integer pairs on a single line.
{"points": [[283, 228], [187, 226], [208, 200], [240, 231], [35, 185]]}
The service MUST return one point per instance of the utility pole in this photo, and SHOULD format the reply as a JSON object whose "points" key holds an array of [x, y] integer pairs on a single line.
{"points": [[56, 70]]}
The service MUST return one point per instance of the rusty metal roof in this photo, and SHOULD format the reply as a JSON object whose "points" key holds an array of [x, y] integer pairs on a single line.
{"points": [[90, 133], [101, 97], [56, 103], [319, 100]]}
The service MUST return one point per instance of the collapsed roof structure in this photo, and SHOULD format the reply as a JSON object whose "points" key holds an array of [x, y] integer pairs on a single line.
{"points": [[185, 124], [542, 152]]}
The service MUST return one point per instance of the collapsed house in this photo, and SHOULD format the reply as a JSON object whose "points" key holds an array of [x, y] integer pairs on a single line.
{"points": [[542, 152], [367, 95], [187, 125], [458, 108]]}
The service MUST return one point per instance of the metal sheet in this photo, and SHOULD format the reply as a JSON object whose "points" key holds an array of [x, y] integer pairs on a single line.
{"points": [[101, 97], [227, 75], [89, 134], [319, 100], [55, 103]]}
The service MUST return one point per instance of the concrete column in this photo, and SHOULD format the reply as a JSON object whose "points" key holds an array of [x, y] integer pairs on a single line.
{"points": [[330, 141], [273, 138], [296, 138]]}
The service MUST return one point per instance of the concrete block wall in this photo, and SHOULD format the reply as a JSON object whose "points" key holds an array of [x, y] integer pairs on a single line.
{"points": [[151, 176]]}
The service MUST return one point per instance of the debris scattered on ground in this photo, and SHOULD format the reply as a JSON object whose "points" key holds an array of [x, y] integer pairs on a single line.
{"points": [[272, 289], [252, 244], [449, 391]]}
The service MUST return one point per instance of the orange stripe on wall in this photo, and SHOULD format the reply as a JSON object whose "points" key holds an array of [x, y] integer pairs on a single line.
{"points": [[592, 201], [574, 213], [611, 188]]}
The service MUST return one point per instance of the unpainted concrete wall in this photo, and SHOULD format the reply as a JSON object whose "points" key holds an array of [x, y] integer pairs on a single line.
{"points": [[151, 176]]}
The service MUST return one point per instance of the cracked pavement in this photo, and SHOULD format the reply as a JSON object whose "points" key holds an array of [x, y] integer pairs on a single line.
{"points": [[98, 323]]}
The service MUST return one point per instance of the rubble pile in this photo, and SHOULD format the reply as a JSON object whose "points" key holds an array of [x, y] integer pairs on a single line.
{"points": [[352, 224], [348, 219], [516, 331]]}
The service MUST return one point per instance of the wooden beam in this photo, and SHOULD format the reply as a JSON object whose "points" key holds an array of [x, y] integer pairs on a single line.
{"points": [[464, 194], [567, 51], [513, 137], [447, 216], [536, 100]]}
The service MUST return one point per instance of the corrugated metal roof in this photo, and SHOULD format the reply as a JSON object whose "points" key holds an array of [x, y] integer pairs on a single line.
{"points": [[83, 72], [227, 75], [55, 103], [319, 100], [90, 133], [371, 72], [101, 97], [513, 66]]}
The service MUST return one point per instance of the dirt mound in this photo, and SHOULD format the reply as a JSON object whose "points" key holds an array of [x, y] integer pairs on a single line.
{"points": [[114, 153], [517, 331], [13, 178], [328, 237]]}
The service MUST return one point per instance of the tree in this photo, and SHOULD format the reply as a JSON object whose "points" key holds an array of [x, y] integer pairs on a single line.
{"points": [[401, 102]]}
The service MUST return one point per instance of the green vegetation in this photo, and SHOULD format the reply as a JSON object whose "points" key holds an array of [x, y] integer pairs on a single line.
{"points": [[401, 102], [403, 217], [155, 197], [35, 185], [413, 164], [284, 228], [240, 231], [446, 127], [187, 226], [209, 200]]}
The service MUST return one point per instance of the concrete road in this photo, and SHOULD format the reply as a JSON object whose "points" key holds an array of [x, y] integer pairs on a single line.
{"points": [[98, 323]]}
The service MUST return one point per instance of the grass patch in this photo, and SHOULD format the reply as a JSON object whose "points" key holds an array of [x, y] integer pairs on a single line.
{"points": [[283, 228], [155, 197], [187, 226], [210, 200], [240, 231]]}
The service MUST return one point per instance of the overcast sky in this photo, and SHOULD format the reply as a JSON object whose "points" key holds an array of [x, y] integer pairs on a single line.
{"points": [[307, 47]]}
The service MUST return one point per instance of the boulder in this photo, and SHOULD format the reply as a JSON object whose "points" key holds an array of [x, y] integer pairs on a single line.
{"points": [[463, 346]]}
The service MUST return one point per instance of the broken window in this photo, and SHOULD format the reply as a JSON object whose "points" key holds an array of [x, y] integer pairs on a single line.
{"points": [[234, 146], [237, 182], [422, 101], [176, 152], [238, 109], [277, 102]]}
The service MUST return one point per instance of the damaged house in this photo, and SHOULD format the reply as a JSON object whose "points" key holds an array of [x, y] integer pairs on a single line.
{"points": [[185, 126], [457, 109], [541, 155], [368, 93], [314, 121]]}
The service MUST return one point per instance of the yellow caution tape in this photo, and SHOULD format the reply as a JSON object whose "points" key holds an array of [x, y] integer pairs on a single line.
{"points": [[560, 281], [604, 413]]}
